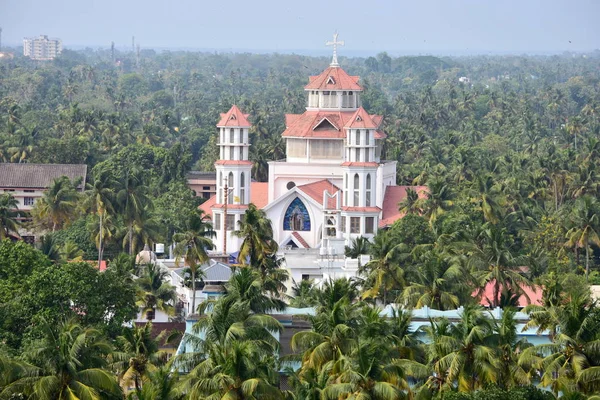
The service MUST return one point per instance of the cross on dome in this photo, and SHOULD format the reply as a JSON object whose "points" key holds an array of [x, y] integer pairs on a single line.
{"points": [[335, 43]]}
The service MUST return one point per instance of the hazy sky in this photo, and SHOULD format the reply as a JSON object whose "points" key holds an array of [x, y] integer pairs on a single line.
{"points": [[417, 26]]}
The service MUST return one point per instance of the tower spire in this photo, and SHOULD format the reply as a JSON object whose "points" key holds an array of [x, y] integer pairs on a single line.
{"points": [[335, 43]]}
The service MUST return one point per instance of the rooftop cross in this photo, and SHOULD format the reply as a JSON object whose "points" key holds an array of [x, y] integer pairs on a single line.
{"points": [[334, 61]]}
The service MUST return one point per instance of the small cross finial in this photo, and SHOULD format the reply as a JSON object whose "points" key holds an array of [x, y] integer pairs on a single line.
{"points": [[335, 43]]}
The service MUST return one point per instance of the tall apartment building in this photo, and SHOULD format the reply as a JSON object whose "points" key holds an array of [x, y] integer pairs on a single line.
{"points": [[42, 48]]}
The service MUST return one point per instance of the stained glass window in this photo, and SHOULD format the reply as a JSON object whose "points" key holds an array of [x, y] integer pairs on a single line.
{"points": [[296, 217]]}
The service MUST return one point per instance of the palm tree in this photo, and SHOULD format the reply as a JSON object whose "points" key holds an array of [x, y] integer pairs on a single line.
{"points": [[495, 263], [154, 292], [141, 354], [68, 363], [509, 348], [439, 199], [303, 294], [470, 363], [410, 205], [586, 221], [436, 280], [247, 286], [99, 199], [367, 373], [383, 272], [57, 206], [131, 200], [161, 383], [257, 232], [192, 246], [8, 222], [358, 247], [240, 370], [571, 362]]}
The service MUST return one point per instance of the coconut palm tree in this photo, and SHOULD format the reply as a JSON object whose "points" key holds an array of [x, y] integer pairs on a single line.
{"points": [[240, 370], [466, 356], [571, 363], [383, 272], [257, 232], [153, 292], [246, 285], [586, 227], [131, 201], [8, 213], [140, 353], [68, 363], [495, 263], [410, 205], [367, 373], [99, 199], [57, 207], [435, 281], [192, 246]]}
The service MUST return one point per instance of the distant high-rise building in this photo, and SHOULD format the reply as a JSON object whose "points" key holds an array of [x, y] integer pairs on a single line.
{"points": [[42, 48]]}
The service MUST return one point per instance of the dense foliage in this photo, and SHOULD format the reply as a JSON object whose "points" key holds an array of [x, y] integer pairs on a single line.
{"points": [[510, 162]]}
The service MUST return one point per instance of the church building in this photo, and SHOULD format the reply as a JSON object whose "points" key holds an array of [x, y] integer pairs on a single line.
{"points": [[333, 185]]}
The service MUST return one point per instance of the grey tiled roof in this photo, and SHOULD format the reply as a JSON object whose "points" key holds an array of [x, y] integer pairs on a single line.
{"points": [[213, 271], [38, 175], [216, 272], [201, 175]]}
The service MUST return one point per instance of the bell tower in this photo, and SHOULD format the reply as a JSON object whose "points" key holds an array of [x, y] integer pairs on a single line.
{"points": [[233, 178]]}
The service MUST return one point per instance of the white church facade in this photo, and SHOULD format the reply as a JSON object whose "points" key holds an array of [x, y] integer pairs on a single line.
{"points": [[332, 187]]}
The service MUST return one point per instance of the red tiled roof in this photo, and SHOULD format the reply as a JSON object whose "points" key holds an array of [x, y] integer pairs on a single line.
{"points": [[316, 190], [233, 162], [304, 125], [300, 240], [380, 135], [393, 196], [359, 164], [94, 263], [234, 118], [361, 120], [340, 80], [258, 196], [487, 295], [361, 209]]}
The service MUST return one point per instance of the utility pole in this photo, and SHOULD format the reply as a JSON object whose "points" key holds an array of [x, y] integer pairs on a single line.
{"points": [[226, 195], [112, 51], [133, 44], [0, 39]]}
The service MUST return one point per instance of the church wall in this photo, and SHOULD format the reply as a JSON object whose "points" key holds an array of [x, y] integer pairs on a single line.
{"points": [[277, 216], [386, 176], [281, 173]]}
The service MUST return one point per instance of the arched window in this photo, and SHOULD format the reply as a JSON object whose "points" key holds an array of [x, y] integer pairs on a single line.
{"points": [[296, 217], [230, 184], [242, 188], [231, 134], [356, 188], [368, 189], [219, 184], [357, 136], [231, 152], [346, 189]]}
